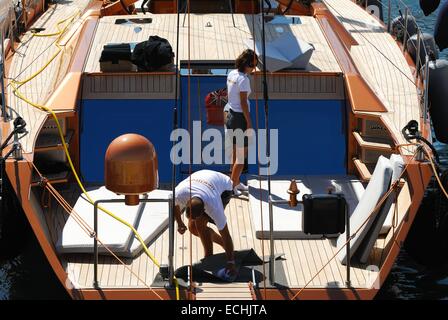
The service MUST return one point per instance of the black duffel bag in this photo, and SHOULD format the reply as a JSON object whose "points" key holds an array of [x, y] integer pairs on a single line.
{"points": [[152, 54]]}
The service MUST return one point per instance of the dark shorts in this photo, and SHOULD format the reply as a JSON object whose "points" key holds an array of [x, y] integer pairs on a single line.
{"points": [[225, 198], [236, 120]]}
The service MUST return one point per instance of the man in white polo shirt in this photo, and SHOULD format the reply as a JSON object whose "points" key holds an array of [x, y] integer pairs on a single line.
{"points": [[204, 196]]}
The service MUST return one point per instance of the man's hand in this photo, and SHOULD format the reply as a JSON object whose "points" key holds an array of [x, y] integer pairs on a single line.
{"points": [[182, 228], [231, 270]]}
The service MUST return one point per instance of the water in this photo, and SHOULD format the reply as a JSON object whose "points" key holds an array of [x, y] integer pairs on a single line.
{"points": [[408, 279], [29, 276]]}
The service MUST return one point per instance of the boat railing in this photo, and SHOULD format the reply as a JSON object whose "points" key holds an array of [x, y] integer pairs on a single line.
{"points": [[395, 8], [7, 15]]}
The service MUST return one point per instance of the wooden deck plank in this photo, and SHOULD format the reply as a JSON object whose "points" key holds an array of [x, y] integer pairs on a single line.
{"points": [[337, 268], [297, 263]]}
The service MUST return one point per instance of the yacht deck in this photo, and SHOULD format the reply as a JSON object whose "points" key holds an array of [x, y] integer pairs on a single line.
{"points": [[381, 63], [303, 258], [211, 37]]}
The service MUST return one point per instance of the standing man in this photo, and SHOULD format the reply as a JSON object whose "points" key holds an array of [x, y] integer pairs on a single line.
{"points": [[204, 196]]}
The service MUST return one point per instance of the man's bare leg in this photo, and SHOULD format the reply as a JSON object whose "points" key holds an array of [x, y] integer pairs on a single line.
{"points": [[207, 235]]}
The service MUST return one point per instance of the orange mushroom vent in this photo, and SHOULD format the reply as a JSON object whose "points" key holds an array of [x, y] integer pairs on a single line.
{"points": [[131, 167]]}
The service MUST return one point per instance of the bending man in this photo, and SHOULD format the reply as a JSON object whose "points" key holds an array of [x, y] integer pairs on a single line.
{"points": [[205, 202]]}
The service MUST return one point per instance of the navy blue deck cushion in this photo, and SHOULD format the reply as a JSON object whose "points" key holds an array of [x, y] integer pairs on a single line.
{"points": [[441, 27]]}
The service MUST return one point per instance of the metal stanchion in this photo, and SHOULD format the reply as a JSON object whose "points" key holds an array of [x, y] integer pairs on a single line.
{"points": [[405, 36], [96, 284]]}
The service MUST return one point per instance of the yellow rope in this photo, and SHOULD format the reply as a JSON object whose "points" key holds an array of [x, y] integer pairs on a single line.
{"points": [[61, 134]]}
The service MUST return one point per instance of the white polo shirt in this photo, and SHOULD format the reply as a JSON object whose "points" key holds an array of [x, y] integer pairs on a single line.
{"points": [[237, 82], [207, 185]]}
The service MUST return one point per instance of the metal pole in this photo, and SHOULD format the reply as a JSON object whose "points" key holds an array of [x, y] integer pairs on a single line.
{"points": [[185, 7], [171, 243], [405, 37], [231, 11], [2, 78], [141, 208], [389, 15], [417, 58], [348, 239], [266, 112], [95, 245], [2, 181], [173, 168], [426, 86], [271, 244]]}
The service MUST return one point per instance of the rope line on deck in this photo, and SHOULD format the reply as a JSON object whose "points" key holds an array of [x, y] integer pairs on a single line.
{"points": [[72, 167], [83, 224]]}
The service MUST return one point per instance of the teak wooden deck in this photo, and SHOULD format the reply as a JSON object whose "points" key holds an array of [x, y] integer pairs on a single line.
{"points": [[303, 258], [31, 55], [381, 63]]}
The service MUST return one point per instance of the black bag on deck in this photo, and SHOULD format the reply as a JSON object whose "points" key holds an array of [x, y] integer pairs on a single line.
{"points": [[116, 52], [323, 213], [116, 57], [152, 54]]}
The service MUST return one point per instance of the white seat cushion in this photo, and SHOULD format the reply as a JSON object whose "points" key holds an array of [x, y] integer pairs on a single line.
{"points": [[398, 166], [288, 221], [386, 211], [149, 219], [377, 187]]}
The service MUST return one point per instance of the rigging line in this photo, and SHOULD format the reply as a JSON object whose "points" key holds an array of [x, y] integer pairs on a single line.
{"points": [[191, 138], [258, 154], [371, 214], [175, 126], [434, 169], [78, 219], [375, 47], [14, 79], [266, 121], [54, 116]]}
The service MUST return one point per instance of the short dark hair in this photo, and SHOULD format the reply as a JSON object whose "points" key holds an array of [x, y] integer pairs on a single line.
{"points": [[194, 208], [248, 58]]}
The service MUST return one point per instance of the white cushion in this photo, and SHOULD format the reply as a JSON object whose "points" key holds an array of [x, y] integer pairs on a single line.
{"points": [[288, 221], [377, 187], [152, 223], [387, 210], [398, 166], [149, 219]]}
